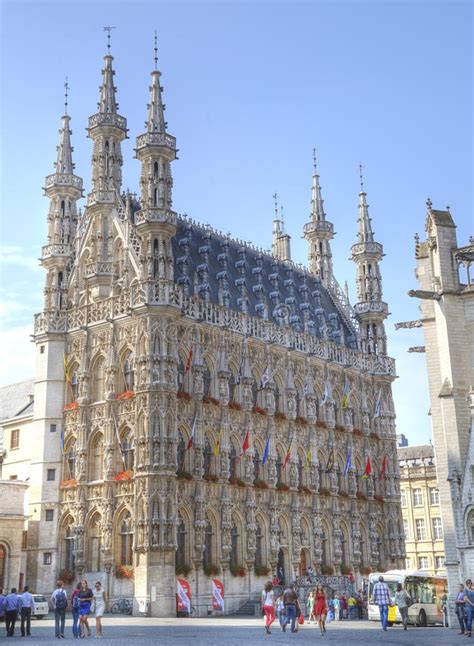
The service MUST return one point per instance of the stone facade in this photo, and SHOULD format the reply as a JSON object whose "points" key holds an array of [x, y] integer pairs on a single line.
{"points": [[219, 404], [12, 528], [447, 314], [421, 510]]}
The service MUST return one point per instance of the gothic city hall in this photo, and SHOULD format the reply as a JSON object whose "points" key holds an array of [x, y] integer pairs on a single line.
{"points": [[222, 410]]}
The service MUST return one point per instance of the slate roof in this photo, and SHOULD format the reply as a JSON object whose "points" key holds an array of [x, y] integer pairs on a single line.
{"points": [[15, 399], [225, 272], [415, 452]]}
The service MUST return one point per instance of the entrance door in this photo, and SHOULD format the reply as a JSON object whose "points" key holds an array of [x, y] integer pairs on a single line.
{"points": [[303, 564], [281, 567]]}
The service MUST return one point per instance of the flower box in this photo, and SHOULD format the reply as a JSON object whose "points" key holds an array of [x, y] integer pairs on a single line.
{"points": [[123, 475], [375, 436], [366, 570], [346, 570], [210, 477], [67, 576], [259, 411], [322, 424], [280, 415], [234, 405], [260, 484], [327, 570], [281, 486], [379, 498], [67, 484], [304, 489], [238, 570], [361, 495], [238, 482], [71, 406], [324, 492], [183, 570], [261, 570], [210, 400], [358, 432], [343, 494], [124, 572], [301, 420], [211, 570], [182, 394], [339, 427], [183, 475], [128, 394]]}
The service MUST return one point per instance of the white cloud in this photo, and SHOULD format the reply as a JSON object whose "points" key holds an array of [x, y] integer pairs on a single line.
{"points": [[19, 358], [19, 257]]}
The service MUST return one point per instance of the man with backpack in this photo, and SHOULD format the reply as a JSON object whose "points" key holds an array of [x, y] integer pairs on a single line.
{"points": [[59, 601], [75, 603]]}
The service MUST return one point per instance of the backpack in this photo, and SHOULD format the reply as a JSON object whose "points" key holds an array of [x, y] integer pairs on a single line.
{"points": [[76, 601], [60, 600]]}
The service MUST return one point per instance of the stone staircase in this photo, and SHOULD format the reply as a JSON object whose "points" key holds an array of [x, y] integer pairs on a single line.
{"points": [[250, 607]]}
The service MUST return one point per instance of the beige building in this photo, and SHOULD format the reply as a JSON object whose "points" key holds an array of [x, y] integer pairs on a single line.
{"points": [[12, 534], [421, 510], [446, 294]]}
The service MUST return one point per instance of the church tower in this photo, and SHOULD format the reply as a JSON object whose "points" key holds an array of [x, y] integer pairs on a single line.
{"points": [[63, 188], [319, 232], [370, 308], [281, 240]]}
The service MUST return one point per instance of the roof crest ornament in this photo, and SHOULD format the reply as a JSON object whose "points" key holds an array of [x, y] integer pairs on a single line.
{"points": [[108, 29], [156, 50], [66, 94], [361, 177]]}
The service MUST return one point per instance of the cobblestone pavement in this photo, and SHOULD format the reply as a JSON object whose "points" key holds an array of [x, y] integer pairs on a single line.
{"points": [[234, 631]]}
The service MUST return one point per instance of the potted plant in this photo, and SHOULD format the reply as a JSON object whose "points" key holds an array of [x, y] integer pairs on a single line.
{"points": [[67, 576], [259, 410], [210, 477], [211, 569], [238, 570], [128, 394], [324, 492], [281, 486], [124, 572], [260, 484], [234, 405], [261, 570], [181, 474], [280, 415], [182, 394], [183, 570], [327, 570]]}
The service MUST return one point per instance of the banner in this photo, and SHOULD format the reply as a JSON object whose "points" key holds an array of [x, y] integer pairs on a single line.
{"points": [[217, 595], [184, 595]]}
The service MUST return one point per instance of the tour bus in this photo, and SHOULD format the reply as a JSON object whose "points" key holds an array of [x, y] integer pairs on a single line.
{"points": [[426, 591]]}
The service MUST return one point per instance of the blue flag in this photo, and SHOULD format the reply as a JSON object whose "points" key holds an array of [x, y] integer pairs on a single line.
{"points": [[348, 463], [61, 439], [265, 452]]}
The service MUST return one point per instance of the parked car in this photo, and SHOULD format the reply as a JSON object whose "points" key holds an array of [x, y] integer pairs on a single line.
{"points": [[41, 606]]}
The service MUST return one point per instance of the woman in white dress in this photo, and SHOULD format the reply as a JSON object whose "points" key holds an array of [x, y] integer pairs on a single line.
{"points": [[100, 601]]}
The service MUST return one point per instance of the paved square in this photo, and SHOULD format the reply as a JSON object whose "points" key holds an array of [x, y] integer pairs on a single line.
{"points": [[234, 631]]}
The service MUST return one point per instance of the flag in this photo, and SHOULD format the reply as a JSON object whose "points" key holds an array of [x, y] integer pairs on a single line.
{"points": [[217, 444], [217, 595], [326, 395], [308, 457], [184, 595], [330, 461], [189, 361], [266, 450], [348, 463], [287, 457], [368, 468], [345, 396], [61, 439], [245, 444], [67, 373], [193, 432], [378, 405], [265, 377], [383, 467]]}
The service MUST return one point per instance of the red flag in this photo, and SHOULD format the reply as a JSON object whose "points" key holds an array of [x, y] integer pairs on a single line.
{"points": [[191, 438], [246, 443], [368, 468], [287, 457], [384, 466], [189, 361]]}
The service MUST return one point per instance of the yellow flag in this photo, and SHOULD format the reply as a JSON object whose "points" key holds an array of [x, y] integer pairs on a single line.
{"points": [[308, 457], [217, 444], [67, 374]]}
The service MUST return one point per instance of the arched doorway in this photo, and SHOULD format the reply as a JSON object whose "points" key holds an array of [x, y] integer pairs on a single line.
{"points": [[3, 566], [281, 567], [304, 562]]}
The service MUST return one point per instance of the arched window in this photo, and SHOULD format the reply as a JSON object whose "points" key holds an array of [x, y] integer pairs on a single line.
{"points": [[98, 380], [3, 566], [232, 385], [68, 545], [155, 170], [63, 208], [256, 466], [181, 455], [155, 252], [279, 468], [344, 550], [181, 551], [324, 548], [96, 457], [71, 461], [128, 452], [233, 462], [234, 549], [128, 372], [207, 457], [95, 545], [259, 546], [74, 385], [207, 379], [207, 554], [126, 540], [254, 393], [277, 398], [470, 527], [180, 375], [300, 472], [298, 402]]}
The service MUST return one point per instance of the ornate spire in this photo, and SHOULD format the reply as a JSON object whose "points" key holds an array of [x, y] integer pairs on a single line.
{"points": [[319, 232], [107, 102], [281, 246], [365, 233], [156, 120]]}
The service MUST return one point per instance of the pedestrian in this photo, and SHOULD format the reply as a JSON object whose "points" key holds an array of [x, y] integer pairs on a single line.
{"points": [[12, 607], [85, 596], [100, 602], [382, 600], [336, 605], [310, 606], [27, 609], [343, 607], [268, 606], [75, 602], [289, 599], [280, 608], [59, 601], [360, 605], [321, 608], [351, 603], [460, 610], [469, 606], [403, 601], [2, 606]]}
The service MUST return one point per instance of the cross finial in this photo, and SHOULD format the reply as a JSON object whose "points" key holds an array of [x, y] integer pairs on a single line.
{"points": [[275, 198], [314, 160], [429, 204], [156, 50], [108, 29], [361, 175], [281, 212], [66, 94]]}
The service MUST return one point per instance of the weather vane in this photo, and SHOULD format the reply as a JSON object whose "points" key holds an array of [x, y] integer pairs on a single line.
{"points": [[275, 197], [361, 177], [156, 50], [314, 160], [66, 91], [108, 29]]}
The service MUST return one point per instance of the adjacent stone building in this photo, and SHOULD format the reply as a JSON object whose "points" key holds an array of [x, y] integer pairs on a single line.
{"points": [[421, 510], [446, 294], [218, 404]]}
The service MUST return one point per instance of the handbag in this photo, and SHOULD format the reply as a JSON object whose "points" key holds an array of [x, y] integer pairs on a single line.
{"points": [[392, 613], [93, 606], [301, 619]]}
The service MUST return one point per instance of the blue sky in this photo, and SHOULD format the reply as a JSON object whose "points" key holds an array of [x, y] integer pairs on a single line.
{"points": [[250, 89]]}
